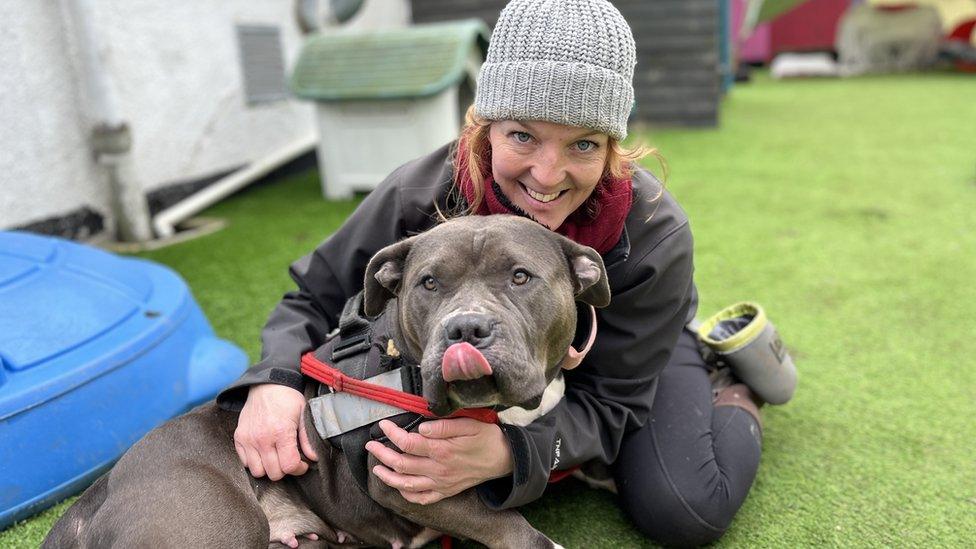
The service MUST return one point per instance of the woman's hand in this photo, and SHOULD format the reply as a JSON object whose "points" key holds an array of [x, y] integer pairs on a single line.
{"points": [[446, 457], [269, 432]]}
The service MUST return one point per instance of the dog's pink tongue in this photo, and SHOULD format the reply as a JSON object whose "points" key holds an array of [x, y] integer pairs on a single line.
{"points": [[462, 361]]}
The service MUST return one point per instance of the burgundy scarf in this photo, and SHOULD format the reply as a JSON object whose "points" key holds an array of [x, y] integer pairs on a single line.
{"points": [[597, 223]]}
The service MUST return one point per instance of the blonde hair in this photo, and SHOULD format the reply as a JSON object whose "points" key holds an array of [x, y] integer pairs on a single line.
{"points": [[474, 147]]}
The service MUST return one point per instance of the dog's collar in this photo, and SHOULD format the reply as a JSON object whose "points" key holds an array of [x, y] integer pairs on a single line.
{"points": [[575, 357]]}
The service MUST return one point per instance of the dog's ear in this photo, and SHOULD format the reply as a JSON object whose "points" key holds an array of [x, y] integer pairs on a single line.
{"points": [[383, 275], [590, 275]]}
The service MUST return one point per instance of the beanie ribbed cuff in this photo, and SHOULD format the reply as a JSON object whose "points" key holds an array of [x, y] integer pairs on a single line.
{"points": [[574, 94]]}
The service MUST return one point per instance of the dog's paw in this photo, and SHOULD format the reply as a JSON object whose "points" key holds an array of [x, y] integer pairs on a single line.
{"points": [[291, 539]]}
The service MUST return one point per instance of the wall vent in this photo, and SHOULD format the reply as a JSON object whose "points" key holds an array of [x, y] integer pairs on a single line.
{"points": [[262, 63]]}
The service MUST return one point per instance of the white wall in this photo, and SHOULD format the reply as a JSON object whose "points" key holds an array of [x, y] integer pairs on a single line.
{"points": [[180, 84], [45, 166], [176, 71]]}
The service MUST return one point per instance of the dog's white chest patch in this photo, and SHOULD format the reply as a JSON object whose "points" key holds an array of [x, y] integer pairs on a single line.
{"points": [[522, 417]]}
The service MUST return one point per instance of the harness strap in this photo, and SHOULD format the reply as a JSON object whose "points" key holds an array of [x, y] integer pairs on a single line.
{"points": [[337, 413], [340, 382]]}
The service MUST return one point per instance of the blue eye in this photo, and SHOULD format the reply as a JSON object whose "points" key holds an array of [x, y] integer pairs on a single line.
{"points": [[522, 137], [584, 146]]}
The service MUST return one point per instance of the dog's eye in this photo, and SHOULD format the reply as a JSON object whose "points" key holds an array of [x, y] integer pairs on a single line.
{"points": [[429, 283], [520, 277]]}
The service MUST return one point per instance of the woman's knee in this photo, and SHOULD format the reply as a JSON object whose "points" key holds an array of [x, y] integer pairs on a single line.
{"points": [[668, 518], [674, 498]]}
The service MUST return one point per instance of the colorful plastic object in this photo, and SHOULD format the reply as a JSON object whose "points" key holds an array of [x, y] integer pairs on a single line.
{"points": [[963, 36], [95, 350]]}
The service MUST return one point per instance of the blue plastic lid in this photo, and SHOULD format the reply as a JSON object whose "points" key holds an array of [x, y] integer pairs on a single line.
{"points": [[55, 298], [62, 305]]}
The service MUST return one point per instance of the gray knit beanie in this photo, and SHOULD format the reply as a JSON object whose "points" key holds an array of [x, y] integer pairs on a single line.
{"points": [[564, 61]]}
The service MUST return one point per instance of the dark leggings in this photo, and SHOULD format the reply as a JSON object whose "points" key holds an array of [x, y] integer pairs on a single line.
{"points": [[683, 476]]}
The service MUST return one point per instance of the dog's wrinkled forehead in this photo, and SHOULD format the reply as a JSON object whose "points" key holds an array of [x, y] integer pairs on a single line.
{"points": [[473, 248], [503, 239]]}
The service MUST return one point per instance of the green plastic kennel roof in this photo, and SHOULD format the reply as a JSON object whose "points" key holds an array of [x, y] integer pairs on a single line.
{"points": [[415, 61]]}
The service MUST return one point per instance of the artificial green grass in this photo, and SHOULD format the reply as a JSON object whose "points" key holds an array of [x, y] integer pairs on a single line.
{"points": [[846, 208]]}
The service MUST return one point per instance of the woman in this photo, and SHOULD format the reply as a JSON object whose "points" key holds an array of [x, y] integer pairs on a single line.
{"points": [[542, 140]]}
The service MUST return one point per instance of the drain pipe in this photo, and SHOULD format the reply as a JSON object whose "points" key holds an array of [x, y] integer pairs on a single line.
{"points": [[111, 140], [165, 221]]}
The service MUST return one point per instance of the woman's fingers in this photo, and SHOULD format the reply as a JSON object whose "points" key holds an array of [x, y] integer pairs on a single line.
{"points": [[406, 464], [303, 439], [269, 460], [273, 453], [451, 428], [411, 443], [289, 460], [404, 483], [270, 432], [423, 498], [241, 453], [410, 474], [254, 463]]}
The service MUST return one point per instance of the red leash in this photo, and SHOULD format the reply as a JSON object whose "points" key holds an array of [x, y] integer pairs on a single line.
{"points": [[340, 382]]}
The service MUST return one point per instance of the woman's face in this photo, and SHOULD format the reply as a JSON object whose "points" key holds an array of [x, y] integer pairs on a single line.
{"points": [[546, 169]]}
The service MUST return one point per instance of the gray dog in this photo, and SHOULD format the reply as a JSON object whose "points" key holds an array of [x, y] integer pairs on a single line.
{"points": [[503, 285]]}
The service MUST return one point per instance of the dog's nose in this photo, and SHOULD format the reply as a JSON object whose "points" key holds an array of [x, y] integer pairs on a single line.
{"points": [[473, 328]]}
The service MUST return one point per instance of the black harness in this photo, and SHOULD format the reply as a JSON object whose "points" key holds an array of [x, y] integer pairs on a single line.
{"points": [[360, 349]]}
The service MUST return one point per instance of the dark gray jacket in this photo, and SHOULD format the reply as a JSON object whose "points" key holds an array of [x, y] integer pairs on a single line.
{"points": [[650, 272]]}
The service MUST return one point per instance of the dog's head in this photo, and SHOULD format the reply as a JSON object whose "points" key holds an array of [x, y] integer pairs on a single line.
{"points": [[488, 302]]}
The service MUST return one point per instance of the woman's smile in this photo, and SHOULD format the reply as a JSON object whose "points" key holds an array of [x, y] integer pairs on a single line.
{"points": [[546, 169], [539, 197]]}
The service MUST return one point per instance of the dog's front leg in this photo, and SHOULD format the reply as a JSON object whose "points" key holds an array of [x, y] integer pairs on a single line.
{"points": [[464, 516]]}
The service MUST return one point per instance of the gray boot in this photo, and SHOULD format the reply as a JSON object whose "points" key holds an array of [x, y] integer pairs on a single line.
{"points": [[744, 339]]}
